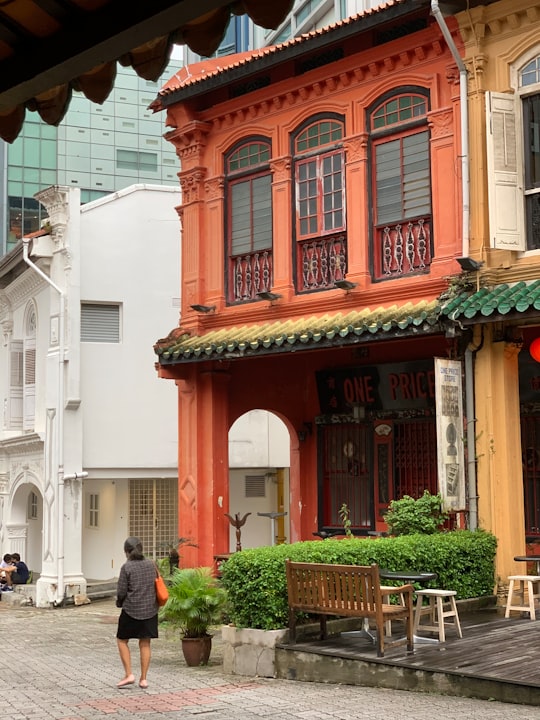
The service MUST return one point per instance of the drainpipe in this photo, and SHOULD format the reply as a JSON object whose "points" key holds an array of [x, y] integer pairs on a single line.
{"points": [[465, 234], [471, 442], [59, 428], [464, 116]]}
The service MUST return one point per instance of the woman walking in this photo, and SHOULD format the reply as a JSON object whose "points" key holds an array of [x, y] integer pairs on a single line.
{"points": [[136, 595]]}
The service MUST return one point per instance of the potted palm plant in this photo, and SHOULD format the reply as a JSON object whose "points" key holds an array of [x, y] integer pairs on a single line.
{"points": [[196, 602]]}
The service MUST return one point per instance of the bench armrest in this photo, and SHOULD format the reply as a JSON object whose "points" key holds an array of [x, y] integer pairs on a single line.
{"points": [[400, 589]]}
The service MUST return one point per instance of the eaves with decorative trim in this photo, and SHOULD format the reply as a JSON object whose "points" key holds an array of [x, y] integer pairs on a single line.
{"points": [[306, 333], [49, 48], [331, 330], [495, 302]]}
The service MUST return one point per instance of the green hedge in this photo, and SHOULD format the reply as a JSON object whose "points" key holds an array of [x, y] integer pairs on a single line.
{"points": [[257, 589]]}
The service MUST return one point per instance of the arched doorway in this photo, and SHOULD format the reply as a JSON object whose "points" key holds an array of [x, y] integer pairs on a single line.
{"points": [[259, 459], [25, 524]]}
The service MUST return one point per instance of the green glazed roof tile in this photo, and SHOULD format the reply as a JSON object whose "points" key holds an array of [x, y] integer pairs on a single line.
{"points": [[500, 300], [316, 331], [306, 332]]}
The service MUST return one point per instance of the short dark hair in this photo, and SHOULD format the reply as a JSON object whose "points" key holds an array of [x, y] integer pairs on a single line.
{"points": [[16, 556], [7, 557]]}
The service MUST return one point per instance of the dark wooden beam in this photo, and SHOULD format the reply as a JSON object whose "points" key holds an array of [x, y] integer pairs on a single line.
{"points": [[87, 40]]}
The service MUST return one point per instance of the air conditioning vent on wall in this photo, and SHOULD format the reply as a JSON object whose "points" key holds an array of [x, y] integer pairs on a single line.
{"points": [[255, 486]]}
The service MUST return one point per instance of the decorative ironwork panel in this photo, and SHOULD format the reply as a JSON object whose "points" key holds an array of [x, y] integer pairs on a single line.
{"points": [[346, 475], [415, 458], [402, 249], [321, 262], [383, 463], [251, 274]]}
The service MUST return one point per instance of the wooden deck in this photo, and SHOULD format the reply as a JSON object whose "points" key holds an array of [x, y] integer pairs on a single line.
{"points": [[497, 658]]}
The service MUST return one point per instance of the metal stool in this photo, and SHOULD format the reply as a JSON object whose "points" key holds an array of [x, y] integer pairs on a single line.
{"points": [[530, 581], [435, 611]]}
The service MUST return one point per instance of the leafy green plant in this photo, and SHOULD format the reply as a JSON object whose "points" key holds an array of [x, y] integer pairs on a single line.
{"points": [[464, 561], [168, 564], [196, 601], [409, 515], [345, 518]]}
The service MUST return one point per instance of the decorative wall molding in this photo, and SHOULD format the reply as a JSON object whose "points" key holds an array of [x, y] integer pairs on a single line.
{"points": [[281, 168], [191, 183], [356, 147], [441, 124], [214, 188], [24, 287], [367, 72]]}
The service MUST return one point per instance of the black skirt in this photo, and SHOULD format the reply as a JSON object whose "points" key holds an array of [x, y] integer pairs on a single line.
{"points": [[129, 627]]}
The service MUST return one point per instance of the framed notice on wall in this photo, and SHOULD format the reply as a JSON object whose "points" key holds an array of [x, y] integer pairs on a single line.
{"points": [[450, 459]]}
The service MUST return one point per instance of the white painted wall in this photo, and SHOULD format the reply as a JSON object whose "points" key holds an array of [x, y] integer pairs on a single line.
{"points": [[258, 445], [130, 254], [259, 439]]}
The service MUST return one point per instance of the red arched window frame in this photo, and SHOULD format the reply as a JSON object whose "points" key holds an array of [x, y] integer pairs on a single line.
{"points": [[401, 186]]}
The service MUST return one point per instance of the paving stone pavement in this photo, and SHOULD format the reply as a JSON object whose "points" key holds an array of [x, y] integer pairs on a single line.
{"points": [[63, 664]]}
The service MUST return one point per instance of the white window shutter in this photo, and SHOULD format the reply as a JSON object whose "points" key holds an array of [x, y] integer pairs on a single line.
{"points": [[29, 383], [504, 166], [16, 385]]}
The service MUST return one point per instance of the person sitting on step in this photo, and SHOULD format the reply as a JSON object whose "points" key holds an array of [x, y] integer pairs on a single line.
{"points": [[22, 573]]}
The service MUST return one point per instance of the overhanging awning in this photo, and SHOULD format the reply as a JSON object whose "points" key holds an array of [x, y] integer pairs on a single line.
{"points": [[48, 48], [518, 303], [308, 333]]}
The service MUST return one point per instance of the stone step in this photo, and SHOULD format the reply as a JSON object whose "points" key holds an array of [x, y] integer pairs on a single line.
{"points": [[26, 594]]}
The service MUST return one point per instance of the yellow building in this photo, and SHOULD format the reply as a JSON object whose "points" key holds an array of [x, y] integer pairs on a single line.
{"points": [[501, 167]]}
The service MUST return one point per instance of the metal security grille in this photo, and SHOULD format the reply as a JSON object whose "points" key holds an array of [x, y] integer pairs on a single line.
{"points": [[153, 514], [346, 475], [530, 444], [415, 458]]}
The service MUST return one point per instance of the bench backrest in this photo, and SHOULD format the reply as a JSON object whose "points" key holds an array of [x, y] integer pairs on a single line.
{"points": [[333, 587]]}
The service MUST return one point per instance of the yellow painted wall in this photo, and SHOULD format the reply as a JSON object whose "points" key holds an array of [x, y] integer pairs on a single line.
{"points": [[497, 38]]}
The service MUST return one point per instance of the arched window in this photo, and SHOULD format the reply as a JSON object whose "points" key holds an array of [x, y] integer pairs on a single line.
{"points": [[529, 90], [321, 256], [400, 184], [249, 219], [22, 374], [514, 166]]}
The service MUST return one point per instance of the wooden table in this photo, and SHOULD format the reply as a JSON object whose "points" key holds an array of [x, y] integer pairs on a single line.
{"points": [[411, 576]]}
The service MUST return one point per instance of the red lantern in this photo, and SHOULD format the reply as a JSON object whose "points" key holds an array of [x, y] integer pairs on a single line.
{"points": [[535, 349]]}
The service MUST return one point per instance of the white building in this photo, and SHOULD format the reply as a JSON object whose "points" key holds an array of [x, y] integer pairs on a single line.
{"points": [[80, 394], [87, 425]]}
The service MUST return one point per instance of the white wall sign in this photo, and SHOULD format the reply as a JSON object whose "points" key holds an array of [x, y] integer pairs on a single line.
{"points": [[450, 460]]}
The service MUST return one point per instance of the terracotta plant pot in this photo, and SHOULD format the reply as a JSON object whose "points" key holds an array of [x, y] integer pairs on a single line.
{"points": [[197, 650]]}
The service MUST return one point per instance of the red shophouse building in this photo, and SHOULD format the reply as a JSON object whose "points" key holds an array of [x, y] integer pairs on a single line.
{"points": [[321, 220]]}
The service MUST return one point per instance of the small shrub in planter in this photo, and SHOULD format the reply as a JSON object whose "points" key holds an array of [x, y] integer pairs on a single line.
{"points": [[408, 515]]}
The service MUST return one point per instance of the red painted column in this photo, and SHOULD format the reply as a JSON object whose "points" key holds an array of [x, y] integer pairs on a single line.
{"points": [[203, 466], [213, 463]]}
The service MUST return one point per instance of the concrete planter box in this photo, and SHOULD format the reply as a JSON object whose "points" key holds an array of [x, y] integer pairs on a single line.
{"points": [[251, 652]]}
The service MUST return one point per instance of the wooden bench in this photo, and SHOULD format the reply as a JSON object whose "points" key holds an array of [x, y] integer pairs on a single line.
{"points": [[346, 591]]}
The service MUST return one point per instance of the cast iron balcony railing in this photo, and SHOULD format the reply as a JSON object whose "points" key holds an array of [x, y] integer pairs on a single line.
{"points": [[250, 274], [320, 262], [402, 249]]}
